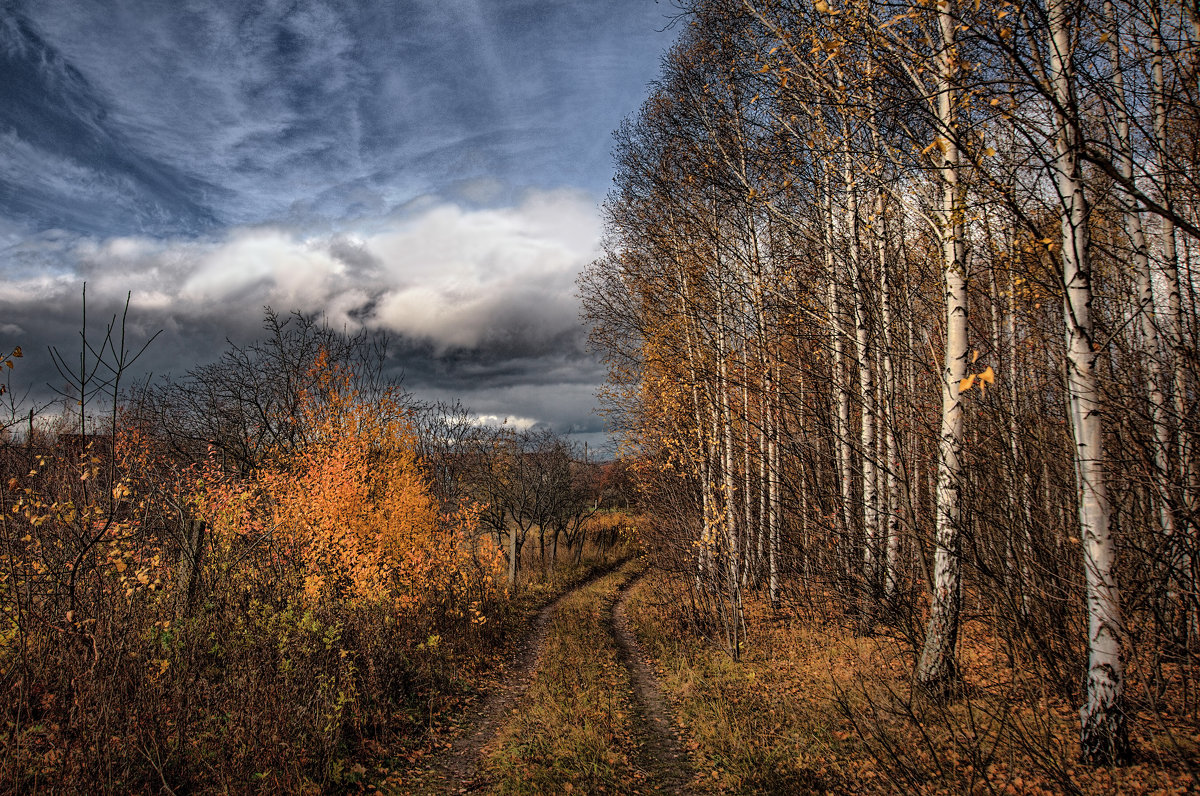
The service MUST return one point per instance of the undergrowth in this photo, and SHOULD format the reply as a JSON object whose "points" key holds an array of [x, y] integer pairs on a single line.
{"points": [[812, 708]]}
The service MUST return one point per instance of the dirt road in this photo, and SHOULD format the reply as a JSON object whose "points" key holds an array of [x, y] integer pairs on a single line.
{"points": [[652, 747], [661, 754]]}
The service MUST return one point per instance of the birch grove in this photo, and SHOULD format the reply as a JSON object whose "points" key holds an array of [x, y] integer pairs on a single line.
{"points": [[899, 310]]}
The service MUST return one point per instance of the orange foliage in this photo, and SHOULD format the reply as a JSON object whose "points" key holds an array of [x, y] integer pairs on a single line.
{"points": [[350, 508]]}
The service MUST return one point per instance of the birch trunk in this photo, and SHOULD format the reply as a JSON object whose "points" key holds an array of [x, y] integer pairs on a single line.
{"points": [[887, 414], [773, 488], [1102, 718], [1025, 488], [937, 670], [1144, 288], [866, 396], [841, 391], [750, 528], [1170, 266], [704, 558], [728, 485]]}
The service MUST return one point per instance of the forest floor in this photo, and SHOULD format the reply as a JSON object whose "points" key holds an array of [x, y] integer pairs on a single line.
{"points": [[576, 708], [608, 691], [811, 708]]}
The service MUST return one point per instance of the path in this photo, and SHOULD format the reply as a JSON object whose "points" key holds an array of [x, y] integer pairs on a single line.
{"points": [[661, 755], [459, 766]]}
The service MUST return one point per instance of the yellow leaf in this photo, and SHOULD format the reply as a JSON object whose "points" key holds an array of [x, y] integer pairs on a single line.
{"points": [[974, 356], [988, 375], [989, 152], [121, 566], [966, 383], [17, 352]]}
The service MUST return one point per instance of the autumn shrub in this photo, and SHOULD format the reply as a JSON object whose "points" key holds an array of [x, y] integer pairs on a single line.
{"points": [[613, 528], [173, 622]]}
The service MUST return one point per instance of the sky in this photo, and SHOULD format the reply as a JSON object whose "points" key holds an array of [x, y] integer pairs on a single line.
{"points": [[428, 168]]}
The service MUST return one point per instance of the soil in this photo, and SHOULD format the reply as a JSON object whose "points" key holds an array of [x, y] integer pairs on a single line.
{"points": [[661, 753]]}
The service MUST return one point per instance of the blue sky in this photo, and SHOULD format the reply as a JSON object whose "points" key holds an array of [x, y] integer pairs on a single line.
{"points": [[432, 169]]}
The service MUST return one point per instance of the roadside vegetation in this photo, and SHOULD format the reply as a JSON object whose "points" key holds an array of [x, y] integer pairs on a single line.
{"points": [[812, 708], [277, 574]]}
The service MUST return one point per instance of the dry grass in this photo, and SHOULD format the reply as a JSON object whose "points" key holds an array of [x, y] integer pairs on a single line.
{"points": [[813, 709], [572, 729]]}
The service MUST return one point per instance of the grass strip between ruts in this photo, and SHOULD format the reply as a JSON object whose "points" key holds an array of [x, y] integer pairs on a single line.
{"points": [[572, 731]]}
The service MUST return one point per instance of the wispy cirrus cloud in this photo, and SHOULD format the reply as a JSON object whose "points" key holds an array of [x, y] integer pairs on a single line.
{"points": [[225, 113], [428, 167]]}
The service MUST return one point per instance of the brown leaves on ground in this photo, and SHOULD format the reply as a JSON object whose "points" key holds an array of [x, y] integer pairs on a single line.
{"points": [[811, 708]]}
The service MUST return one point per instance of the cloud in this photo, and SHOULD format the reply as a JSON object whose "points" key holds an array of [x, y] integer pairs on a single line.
{"points": [[395, 165], [167, 118], [453, 278], [501, 278], [481, 301]]}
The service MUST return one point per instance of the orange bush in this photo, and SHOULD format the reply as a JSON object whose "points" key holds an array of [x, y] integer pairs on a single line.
{"points": [[350, 508], [220, 629]]}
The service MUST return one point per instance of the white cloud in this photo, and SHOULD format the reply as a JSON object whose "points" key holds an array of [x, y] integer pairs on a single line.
{"points": [[444, 275], [518, 423], [458, 278]]}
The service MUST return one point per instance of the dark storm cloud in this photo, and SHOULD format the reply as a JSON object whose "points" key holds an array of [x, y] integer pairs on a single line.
{"points": [[479, 302], [429, 168]]}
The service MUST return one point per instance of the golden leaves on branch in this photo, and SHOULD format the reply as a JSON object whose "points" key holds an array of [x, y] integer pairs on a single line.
{"points": [[983, 378]]}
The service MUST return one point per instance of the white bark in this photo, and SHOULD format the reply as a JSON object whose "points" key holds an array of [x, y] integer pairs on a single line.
{"points": [[728, 486], [866, 396], [704, 557], [891, 461], [773, 486], [1102, 717], [1144, 286], [1170, 268], [937, 668], [841, 392]]}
